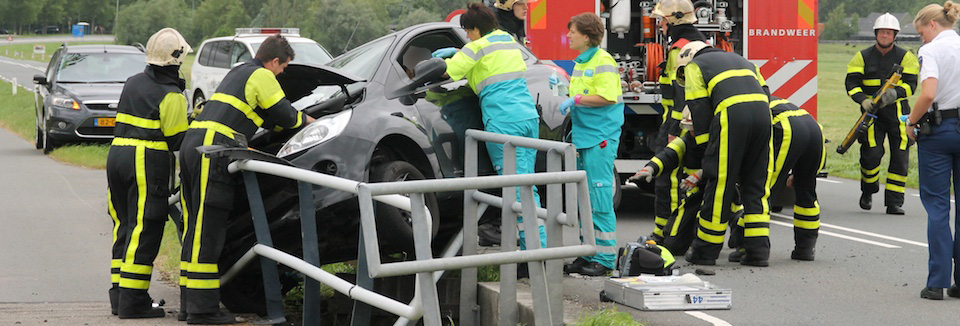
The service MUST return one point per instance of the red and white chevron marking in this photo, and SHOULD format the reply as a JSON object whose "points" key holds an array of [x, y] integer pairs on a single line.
{"points": [[794, 80]]}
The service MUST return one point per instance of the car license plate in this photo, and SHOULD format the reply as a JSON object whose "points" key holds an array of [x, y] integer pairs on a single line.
{"points": [[105, 122]]}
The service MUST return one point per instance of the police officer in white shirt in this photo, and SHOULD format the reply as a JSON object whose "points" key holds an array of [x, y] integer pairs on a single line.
{"points": [[939, 150]]}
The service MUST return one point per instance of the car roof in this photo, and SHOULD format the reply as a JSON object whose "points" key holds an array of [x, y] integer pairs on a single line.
{"points": [[260, 38], [102, 48]]}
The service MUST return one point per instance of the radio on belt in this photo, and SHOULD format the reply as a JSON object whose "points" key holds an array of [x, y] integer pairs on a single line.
{"points": [[648, 292]]}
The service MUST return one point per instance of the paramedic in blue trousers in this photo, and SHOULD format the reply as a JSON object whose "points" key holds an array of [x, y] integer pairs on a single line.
{"points": [[596, 110], [939, 150], [494, 68], [151, 121]]}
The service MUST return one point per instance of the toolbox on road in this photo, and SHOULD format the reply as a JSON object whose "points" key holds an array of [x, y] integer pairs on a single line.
{"points": [[648, 292]]}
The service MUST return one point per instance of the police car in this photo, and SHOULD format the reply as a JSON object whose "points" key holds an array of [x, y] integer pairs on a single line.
{"points": [[217, 55]]}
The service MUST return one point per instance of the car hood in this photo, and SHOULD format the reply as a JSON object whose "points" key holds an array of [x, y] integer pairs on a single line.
{"points": [[299, 79], [91, 92]]}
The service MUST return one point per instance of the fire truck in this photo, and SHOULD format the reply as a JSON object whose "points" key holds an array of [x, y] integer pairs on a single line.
{"points": [[779, 36]]}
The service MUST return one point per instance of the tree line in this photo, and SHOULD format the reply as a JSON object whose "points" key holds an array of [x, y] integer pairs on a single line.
{"points": [[841, 17], [338, 25], [24, 16]]}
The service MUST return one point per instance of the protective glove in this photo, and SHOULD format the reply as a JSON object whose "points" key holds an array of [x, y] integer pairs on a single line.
{"points": [[566, 105], [888, 97], [691, 181], [645, 173], [554, 81], [445, 52], [866, 105]]}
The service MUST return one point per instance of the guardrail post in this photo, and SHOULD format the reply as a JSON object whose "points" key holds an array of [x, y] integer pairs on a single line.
{"points": [[509, 314], [469, 310], [541, 300], [554, 268], [361, 311], [271, 276], [311, 254], [421, 238]]}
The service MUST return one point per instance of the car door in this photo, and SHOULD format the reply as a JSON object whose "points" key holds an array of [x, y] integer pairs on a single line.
{"points": [[43, 91], [447, 111], [221, 64]]}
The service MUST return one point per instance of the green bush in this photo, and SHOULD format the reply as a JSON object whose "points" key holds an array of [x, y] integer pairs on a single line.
{"points": [[143, 18]]}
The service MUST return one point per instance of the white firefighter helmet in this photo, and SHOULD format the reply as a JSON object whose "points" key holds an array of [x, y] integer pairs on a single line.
{"points": [[506, 4], [675, 11], [688, 51], [167, 48], [886, 21]]}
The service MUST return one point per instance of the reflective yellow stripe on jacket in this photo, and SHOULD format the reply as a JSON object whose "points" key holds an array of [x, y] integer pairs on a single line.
{"points": [[499, 54]]}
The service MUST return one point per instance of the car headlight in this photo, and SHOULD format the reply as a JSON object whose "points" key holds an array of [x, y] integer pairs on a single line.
{"points": [[324, 129], [65, 102]]}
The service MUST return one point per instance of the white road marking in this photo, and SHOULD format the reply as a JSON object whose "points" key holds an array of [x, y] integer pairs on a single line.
{"points": [[710, 319], [843, 228], [22, 65], [822, 232], [828, 180]]}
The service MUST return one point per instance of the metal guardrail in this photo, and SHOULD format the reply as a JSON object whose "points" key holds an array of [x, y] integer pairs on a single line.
{"points": [[545, 264]]}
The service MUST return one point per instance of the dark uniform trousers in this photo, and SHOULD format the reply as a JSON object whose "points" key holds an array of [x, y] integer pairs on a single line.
{"points": [[866, 74], [798, 151], [151, 120], [667, 194], [730, 110], [249, 97]]}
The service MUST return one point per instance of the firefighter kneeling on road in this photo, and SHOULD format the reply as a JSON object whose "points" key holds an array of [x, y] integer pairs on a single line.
{"points": [[866, 74], [679, 17], [798, 155], [151, 120], [249, 97], [733, 119]]}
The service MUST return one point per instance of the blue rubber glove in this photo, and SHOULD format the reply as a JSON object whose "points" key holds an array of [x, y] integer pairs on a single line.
{"points": [[566, 105], [445, 52], [554, 81]]}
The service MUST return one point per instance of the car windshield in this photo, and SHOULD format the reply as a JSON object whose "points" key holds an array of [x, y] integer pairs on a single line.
{"points": [[99, 67], [304, 52], [362, 62]]}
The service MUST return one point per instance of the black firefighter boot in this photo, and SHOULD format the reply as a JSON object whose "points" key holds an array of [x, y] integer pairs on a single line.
{"points": [[137, 304], [757, 251], [866, 201], [806, 241], [217, 318], [114, 298]]}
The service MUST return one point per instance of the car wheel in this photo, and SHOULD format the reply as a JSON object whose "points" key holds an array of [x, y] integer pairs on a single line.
{"points": [[48, 144], [39, 141], [394, 226]]}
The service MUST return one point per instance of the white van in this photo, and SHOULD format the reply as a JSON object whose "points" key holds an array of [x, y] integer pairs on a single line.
{"points": [[218, 55]]}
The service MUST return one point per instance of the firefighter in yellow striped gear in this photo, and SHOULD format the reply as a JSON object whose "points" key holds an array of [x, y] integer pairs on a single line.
{"points": [[798, 155], [866, 74], [248, 98], [729, 108], [679, 18], [151, 121]]}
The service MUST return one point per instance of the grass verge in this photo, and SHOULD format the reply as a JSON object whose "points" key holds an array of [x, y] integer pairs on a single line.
{"points": [[606, 317], [837, 113]]}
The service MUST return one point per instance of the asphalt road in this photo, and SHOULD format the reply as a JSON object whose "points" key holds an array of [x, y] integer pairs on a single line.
{"points": [[869, 269], [55, 237]]}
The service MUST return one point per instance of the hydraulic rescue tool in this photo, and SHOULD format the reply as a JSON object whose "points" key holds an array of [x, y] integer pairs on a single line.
{"points": [[869, 117]]}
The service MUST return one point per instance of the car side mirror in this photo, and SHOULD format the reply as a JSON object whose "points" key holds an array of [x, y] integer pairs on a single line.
{"points": [[39, 79], [426, 71]]}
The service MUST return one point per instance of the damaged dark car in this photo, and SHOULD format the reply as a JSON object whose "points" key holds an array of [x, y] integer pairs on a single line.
{"points": [[383, 114]]}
